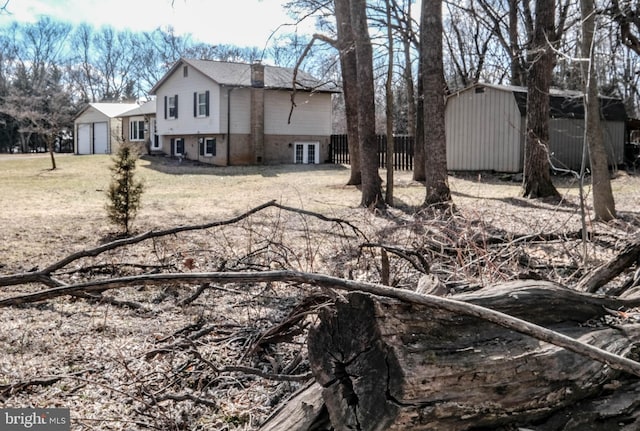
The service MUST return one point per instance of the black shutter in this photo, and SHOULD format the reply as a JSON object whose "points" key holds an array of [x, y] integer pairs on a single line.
{"points": [[173, 146], [165, 107], [207, 102], [195, 104], [176, 99], [201, 140]]}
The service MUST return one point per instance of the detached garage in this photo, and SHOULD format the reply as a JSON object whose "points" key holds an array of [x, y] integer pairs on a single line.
{"points": [[98, 128]]}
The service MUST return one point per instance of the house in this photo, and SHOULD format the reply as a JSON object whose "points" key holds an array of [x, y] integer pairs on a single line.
{"points": [[98, 127], [139, 127], [485, 127], [239, 114]]}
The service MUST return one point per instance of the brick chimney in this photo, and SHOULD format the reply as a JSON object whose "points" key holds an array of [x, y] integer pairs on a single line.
{"points": [[257, 111], [257, 74]]}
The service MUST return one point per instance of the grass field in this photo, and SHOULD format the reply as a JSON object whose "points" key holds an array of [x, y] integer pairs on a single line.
{"points": [[109, 358], [43, 209]]}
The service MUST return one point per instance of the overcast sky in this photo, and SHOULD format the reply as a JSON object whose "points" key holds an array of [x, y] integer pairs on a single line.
{"points": [[234, 22]]}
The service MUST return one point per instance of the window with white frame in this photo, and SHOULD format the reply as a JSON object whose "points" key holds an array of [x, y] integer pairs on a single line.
{"points": [[201, 104], [178, 146], [172, 106], [136, 129], [208, 147]]}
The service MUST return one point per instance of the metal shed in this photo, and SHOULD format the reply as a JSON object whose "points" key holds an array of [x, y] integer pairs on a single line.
{"points": [[485, 126]]}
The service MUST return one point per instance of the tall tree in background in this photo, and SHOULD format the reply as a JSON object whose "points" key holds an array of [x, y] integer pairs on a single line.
{"points": [[603, 202], [627, 15], [536, 176], [371, 183], [349, 69], [434, 86], [36, 98], [389, 108]]}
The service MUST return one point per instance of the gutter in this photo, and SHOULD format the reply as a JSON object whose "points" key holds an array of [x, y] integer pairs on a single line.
{"points": [[229, 90]]}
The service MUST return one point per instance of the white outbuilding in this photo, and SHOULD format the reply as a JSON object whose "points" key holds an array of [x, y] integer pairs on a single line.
{"points": [[98, 128]]}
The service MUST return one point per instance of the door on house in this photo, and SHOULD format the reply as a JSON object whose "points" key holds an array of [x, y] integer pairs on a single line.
{"points": [[155, 141], [306, 153]]}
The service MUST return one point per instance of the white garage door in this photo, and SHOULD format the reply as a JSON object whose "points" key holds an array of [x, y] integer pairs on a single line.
{"points": [[100, 138], [84, 138]]}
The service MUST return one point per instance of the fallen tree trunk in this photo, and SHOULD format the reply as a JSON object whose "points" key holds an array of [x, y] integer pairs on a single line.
{"points": [[386, 364]]}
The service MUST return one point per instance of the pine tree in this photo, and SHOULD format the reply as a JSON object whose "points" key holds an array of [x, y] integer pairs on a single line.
{"points": [[125, 190]]}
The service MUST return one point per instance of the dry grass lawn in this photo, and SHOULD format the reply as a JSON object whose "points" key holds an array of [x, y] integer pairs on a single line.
{"points": [[123, 368]]}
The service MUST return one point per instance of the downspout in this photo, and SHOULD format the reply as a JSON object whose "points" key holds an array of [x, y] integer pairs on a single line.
{"points": [[229, 90]]}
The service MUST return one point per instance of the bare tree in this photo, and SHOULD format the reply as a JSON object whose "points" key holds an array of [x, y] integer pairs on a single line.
{"points": [[348, 65], [389, 108], [371, 182], [627, 15], [36, 99], [435, 144], [537, 177], [603, 202]]}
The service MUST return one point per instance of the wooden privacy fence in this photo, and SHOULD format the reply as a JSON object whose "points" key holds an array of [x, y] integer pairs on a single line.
{"points": [[403, 154]]}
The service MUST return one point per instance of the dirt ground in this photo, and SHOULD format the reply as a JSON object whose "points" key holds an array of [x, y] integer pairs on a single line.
{"points": [[189, 356]]}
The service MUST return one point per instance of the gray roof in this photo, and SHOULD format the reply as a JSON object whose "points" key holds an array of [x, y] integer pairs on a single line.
{"points": [[563, 103], [147, 108], [111, 110], [239, 75]]}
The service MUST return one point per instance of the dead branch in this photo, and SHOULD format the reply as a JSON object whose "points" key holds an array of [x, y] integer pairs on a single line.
{"points": [[291, 325], [44, 276], [189, 299], [304, 54], [414, 257], [451, 305], [629, 256], [6, 391], [185, 397]]}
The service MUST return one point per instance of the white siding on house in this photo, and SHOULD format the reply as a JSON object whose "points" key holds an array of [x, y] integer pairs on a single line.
{"points": [[184, 87], [311, 116], [240, 109], [483, 129]]}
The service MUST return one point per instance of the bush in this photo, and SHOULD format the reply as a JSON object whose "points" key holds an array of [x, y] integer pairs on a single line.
{"points": [[125, 191]]}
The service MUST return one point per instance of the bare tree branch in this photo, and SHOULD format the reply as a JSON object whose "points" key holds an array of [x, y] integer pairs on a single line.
{"points": [[45, 277], [451, 305]]}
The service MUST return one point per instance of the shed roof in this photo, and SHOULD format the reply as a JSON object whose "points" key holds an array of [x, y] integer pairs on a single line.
{"points": [[239, 75], [563, 103], [111, 110]]}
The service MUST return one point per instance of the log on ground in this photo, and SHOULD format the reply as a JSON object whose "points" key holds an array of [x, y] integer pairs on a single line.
{"points": [[389, 365]]}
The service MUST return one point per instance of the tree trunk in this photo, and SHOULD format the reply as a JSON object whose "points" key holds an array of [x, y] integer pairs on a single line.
{"points": [[435, 143], [537, 177], [387, 365], [418, 152], [391, 150], [348, 66], [603, 202], [50, 145], [371, 182], [517, 72]]}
